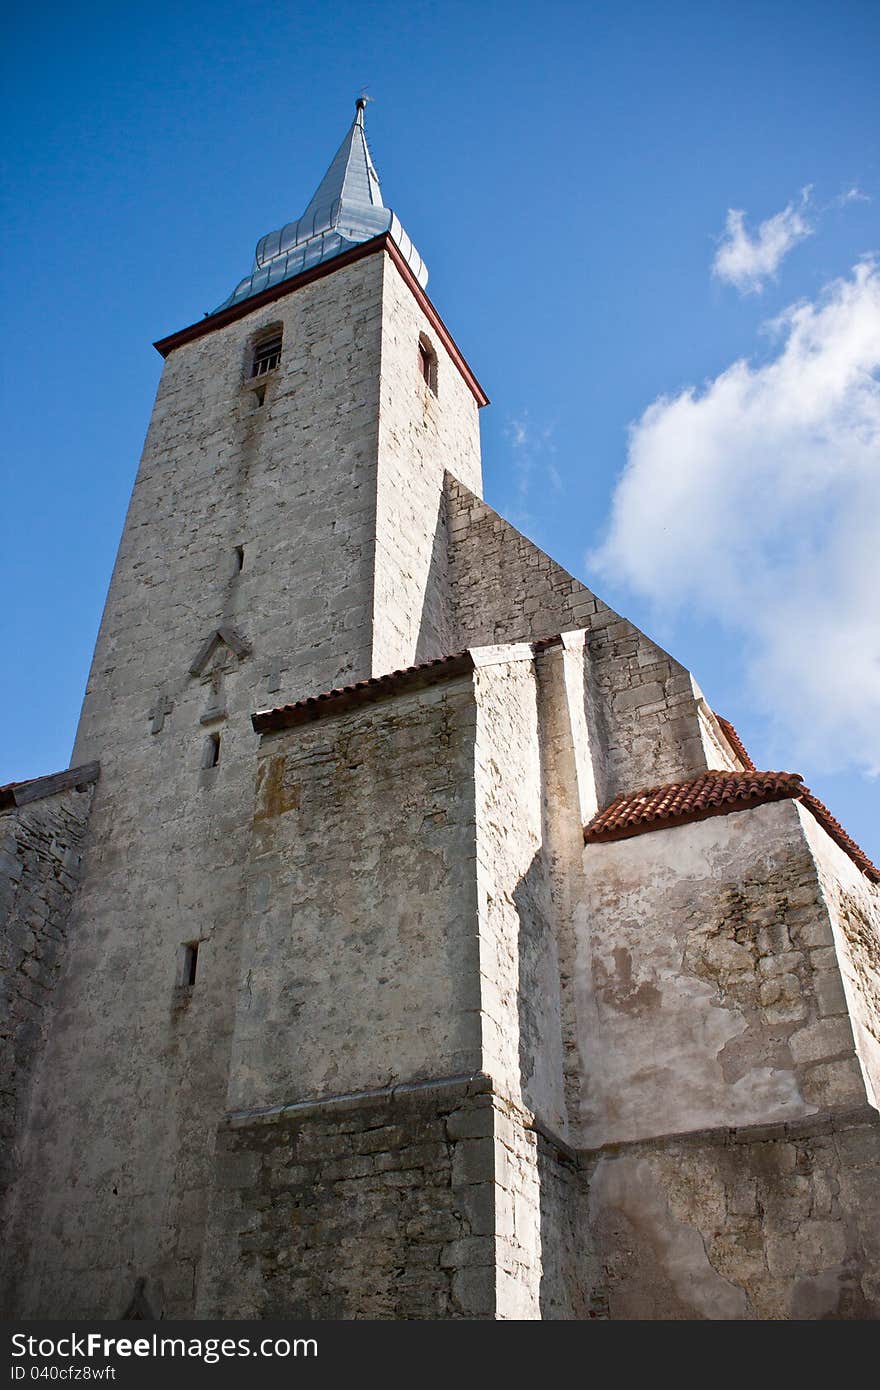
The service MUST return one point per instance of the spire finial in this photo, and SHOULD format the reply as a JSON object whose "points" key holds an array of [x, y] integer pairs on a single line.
{"points": [[360, 107]]}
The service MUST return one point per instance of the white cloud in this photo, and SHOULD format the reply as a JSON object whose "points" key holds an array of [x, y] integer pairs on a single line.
{"points": [[852, 195], [747, 260], [756, 501], [533, 461]]}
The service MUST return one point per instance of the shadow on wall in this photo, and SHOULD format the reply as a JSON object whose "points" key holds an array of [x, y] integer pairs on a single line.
{"points": [[548, 1178], [437, 633]]}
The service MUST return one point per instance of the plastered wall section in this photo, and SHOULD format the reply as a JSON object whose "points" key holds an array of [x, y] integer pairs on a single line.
{"points": [[708, 988], [359, 963], [133, 1062], [853, 904], [40, 858], [645, 707], [776, 1223], [422, 432]]}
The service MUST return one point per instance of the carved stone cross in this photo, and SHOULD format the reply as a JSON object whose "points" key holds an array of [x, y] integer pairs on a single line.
{"points": [[162, 707]]}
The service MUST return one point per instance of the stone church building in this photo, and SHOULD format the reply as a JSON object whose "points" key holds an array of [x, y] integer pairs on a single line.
{"points": [[409, 938]]}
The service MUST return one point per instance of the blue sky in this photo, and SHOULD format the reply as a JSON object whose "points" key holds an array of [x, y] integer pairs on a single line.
{"points": [[567, 171]]}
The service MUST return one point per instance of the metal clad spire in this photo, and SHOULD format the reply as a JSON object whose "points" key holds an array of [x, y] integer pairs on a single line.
{"points": [[346, 209]]}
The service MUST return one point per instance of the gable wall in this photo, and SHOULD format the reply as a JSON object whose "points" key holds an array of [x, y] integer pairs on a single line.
{"points": [[645, 708]]}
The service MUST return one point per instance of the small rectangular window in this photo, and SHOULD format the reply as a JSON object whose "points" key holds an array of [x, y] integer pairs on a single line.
{"points": [[211, 751], [189, 959], [267, 355]]}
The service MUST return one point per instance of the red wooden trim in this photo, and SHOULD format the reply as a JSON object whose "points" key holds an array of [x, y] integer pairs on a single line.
{"points": [[268, 296], [436, 322], [164, 346]]}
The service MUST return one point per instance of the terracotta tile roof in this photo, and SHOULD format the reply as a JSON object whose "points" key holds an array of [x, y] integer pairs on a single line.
{"points": [[715, 793], [676, 803], [361, 693], [736, 743], [839, 835]]}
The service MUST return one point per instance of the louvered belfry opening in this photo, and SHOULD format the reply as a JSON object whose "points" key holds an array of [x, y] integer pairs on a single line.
{"points": [[267, 354]]}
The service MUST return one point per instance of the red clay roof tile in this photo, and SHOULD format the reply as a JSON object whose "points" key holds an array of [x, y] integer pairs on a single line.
{"points": [[365, 691], [736, 743], [715, 793], [839, 835], [361, 692]]}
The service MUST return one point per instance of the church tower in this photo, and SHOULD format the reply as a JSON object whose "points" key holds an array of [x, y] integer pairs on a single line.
{"points": [[409, 937], [285, 536]]}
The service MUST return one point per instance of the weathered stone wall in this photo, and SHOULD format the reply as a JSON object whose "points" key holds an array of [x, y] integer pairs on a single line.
{"points": [[135, 1061], [570, 767], [359, 962], [708, 989], [772, 1223], [854, 907], [434, 1200], [647, 713], [421, 433], [40, 856], [374, 1205], [543, 1250], [519, 968]]}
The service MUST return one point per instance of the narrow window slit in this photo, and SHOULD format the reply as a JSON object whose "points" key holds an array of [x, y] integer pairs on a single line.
{"points": [[239, 558], [428, 364], [188, 964], [211, 754]]}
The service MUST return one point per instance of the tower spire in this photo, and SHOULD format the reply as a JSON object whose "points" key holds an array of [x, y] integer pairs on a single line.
{"points": [[345, 210]]}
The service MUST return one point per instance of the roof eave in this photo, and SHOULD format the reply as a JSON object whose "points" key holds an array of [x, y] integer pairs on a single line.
{"points": [[384, 242]]}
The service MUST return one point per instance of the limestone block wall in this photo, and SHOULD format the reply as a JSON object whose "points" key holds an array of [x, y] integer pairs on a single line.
{"points": [[544, 1261], [292, 482], [379, 1204], [256, 519], [570, 754], [41, 845], [519, 967], [399, 925], [431, 1200], [422, 432], [645, 707], [533, 771], [359, 961], [771, 1223], [853, 904], [708, 989], [135, 1061]]}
